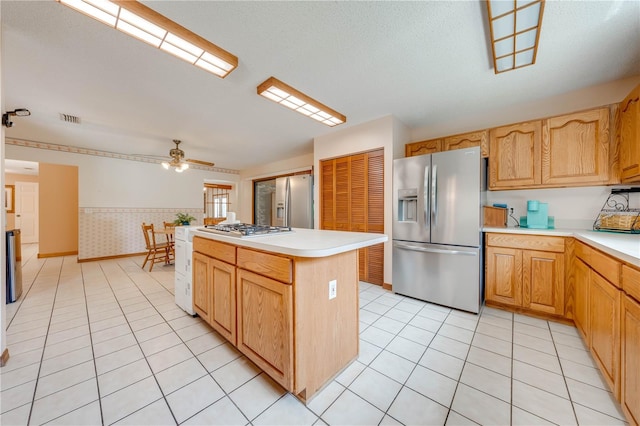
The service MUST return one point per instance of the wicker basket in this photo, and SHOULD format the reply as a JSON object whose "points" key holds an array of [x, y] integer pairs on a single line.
{"points": [[623, 221]]}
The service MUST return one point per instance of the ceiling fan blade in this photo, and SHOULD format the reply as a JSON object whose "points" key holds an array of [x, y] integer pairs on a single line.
{"points": [[200, 162]]}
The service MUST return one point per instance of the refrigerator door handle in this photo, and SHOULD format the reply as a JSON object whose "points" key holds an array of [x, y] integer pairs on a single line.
{"points": [[287, 203], [432, 250], [425, 197], [434, 194]]}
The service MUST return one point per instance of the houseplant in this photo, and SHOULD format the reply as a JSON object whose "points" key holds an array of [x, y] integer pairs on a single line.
{"points": [[183, 219]]}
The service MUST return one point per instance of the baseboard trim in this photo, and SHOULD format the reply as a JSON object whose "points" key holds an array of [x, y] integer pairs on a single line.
{"points": [[4, 358], [117, 256], [64, 253], [387, 286]]}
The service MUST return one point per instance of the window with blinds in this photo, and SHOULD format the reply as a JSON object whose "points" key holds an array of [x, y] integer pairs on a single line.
{"points": [[216, 200]]}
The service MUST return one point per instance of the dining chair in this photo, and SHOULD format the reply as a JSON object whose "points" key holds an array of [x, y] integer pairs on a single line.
{"points": [[156, 252], [171, 237]]}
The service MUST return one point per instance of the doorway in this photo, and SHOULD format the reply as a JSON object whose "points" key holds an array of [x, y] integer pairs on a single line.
{"points": [[26, 211]]}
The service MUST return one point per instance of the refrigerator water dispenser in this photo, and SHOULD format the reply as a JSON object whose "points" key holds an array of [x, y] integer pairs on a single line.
{"points": [[408, 205]]}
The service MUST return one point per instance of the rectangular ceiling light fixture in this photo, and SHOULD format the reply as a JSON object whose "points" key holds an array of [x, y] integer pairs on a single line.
{"points": [[515, 30], [286, 95], [143, 23]]}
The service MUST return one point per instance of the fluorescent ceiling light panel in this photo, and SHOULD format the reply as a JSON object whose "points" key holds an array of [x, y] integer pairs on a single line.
{"points": [[145, 24], [291, 98], [515, 31]]}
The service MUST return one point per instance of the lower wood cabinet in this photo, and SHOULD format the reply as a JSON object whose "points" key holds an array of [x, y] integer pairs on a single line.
{"points": [[630, 360], [530, 279], [276, 310], [201, 286], [581, 274], [604, 329], [265, 325]]}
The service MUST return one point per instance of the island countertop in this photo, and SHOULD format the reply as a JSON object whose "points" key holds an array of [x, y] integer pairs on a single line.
{"points": [[302, 242]]}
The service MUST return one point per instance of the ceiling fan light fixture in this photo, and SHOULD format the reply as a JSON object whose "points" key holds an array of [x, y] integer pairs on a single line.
{"points": [[285, 95], [515, 31], [145, 24]]}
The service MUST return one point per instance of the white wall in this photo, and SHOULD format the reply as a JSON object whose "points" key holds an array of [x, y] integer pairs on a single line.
{"points": [[591, 97], [117, 195], [245, 193], [387, 133], [111, 182], [3, 221], [574, 208]]}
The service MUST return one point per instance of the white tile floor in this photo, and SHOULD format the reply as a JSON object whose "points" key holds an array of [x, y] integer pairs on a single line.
{"points": [[104, 343]]}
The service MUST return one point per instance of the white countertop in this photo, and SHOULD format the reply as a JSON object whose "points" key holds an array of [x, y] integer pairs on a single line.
{"points": [[303, 242], [625, 247]]}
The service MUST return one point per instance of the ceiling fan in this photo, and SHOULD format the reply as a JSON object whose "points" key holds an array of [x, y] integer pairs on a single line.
{"points": [[178, 162]]}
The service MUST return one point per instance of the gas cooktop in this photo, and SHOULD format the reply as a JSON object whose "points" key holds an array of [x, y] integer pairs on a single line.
{"points": [[245, 229]]}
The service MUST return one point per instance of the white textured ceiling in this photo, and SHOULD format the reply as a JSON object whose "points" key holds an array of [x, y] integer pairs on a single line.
{"points": [[424, 62]]}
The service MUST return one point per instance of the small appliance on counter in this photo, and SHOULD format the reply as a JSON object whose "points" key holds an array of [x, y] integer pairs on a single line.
{"points": [[537, 216]]}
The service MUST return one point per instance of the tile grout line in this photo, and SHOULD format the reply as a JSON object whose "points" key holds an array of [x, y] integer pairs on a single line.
{"points": [[137, 341], [35, 388]]}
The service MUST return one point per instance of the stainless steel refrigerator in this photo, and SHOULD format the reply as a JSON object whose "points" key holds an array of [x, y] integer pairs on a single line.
{"points": [[437, 238], [293, 202]]}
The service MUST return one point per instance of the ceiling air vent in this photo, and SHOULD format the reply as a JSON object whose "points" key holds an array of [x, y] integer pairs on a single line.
{"points": [[70, 118]]}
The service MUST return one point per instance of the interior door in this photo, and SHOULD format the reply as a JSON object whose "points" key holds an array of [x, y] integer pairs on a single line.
{"points": [[27, 211]]}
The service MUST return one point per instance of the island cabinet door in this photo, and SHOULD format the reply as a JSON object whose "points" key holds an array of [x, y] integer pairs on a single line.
{"points": [[223, 289], [265, 325], [630, 366], [604, 316], [201, 286]]}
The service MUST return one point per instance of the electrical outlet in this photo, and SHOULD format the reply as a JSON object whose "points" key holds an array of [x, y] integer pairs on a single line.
{"points": [[332, 289]]}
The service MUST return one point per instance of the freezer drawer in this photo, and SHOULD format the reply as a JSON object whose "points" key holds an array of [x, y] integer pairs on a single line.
{"points": [[446, 275]]}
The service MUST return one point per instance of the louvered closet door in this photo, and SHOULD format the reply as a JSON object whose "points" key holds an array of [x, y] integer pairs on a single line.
{"points": [[352, 199], [375, 215]]}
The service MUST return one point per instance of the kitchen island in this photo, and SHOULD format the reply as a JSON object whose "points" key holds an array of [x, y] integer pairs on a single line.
{"points": [[288, 301]]}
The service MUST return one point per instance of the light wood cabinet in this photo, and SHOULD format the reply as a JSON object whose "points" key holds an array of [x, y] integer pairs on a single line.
{"points": [[423, 147], [504, 275], [468, 140], [223, 291], [567, 150], [265, 325], [515, 155], [214, 293], [604, 326], [352, 199], [465, 140], [201, 286], [526, 271], [275, 309], [630, 360], [575, 149], [581, 298], [630, 137], [543, 281]]}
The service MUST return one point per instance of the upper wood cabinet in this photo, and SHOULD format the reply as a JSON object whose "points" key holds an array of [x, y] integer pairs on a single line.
{"points": [[575, 149], [630, 137], [465, 140], [514, 155], [423, 147], [468, 140], [568, 150]]}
